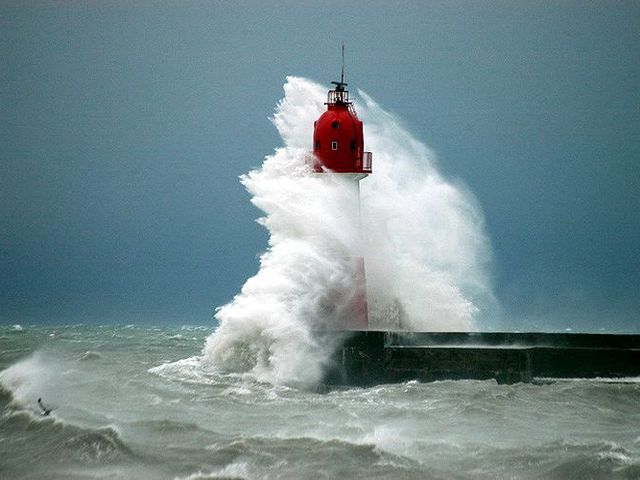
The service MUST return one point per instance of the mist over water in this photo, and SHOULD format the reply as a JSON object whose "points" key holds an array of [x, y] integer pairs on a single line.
{"points": [[423, 239]]}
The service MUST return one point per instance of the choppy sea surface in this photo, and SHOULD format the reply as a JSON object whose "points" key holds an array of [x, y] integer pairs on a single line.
{"points": [[133, 403]]}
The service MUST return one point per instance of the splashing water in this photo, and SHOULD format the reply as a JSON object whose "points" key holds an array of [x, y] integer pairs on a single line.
{"points": [[427, 253], [423, 240]]}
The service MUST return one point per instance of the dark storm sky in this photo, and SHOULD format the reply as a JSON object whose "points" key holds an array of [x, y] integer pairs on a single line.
{"points": [[124, 127]]}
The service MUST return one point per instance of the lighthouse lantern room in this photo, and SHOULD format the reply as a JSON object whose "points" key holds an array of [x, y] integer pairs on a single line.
{"points": [[338, 141]]}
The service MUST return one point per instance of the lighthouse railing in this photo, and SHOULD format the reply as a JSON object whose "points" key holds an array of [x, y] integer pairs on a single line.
{"points": [[338, 96], [367, 160]]}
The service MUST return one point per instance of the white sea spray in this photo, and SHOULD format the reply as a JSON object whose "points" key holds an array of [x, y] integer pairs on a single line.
{"points": [[422, 237]]}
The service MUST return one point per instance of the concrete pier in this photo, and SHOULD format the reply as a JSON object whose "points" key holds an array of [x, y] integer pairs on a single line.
{"points": [[377, 357]]}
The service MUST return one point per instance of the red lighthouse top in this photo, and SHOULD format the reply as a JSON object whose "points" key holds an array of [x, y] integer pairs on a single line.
{"points": [[338, 142]]}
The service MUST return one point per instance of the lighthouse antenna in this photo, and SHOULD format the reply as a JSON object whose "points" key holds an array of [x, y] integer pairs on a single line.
{"points": [[342, 72], [340, 85], [339, 95]]}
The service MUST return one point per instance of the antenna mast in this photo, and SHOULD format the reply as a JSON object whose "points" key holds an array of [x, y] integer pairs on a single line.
{"points": [[342, 73], [339, 95]]}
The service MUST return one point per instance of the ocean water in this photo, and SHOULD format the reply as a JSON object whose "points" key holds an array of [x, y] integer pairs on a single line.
{"points": [[135, 402]]}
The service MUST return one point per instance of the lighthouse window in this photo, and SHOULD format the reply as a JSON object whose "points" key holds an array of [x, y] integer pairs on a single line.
{"points": [[317, 144], [352, 145], [336, 125], [334, 145]]}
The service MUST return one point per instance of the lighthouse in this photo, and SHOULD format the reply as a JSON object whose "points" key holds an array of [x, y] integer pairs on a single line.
{"points": [[338, 149], [338, 140]]}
